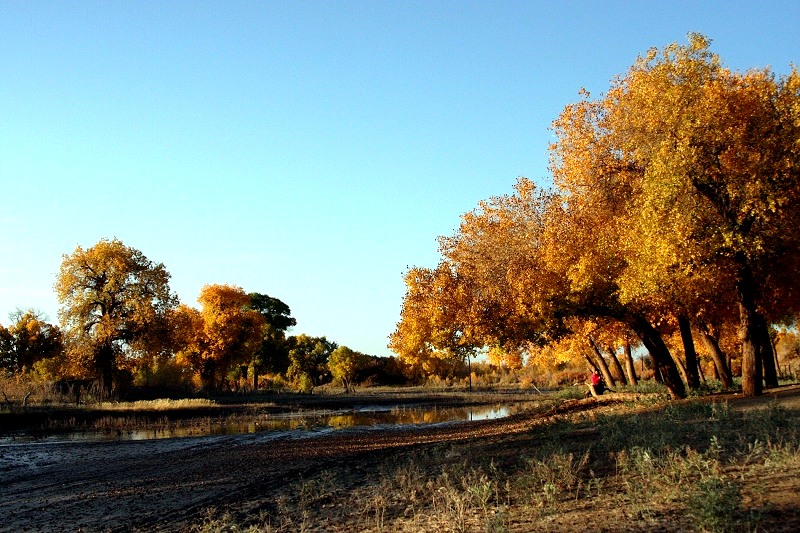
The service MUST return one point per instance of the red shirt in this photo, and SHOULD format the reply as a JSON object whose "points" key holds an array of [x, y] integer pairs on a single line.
{"points": [[596, 379]]}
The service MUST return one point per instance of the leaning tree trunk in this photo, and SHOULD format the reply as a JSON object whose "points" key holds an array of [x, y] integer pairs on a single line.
{"points": [[601, 363], [629, 367], [662, 360], [702, 374], [767, 354], [720, 363], [775, 353], [591, 362], [612, 356], [749, 331], [692, 379], [657, 372], [681, 368]]}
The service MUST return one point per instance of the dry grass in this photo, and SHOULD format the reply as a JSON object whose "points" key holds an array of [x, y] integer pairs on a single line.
{"points": [[675, 467], [156, 405]]}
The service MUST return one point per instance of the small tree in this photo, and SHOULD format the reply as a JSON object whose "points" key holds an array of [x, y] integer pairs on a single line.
{"points": [[226, 332], [345, 364], [27, 340], [308, 358]]}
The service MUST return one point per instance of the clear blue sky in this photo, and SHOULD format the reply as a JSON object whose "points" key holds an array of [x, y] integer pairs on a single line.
{"points": [[311, 151]]}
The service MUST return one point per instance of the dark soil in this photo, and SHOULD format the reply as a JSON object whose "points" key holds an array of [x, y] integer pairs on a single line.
{"points": [[170, 485]]}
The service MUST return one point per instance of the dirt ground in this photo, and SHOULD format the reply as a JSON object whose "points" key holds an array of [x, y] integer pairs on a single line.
{"points": [[168, 485]]}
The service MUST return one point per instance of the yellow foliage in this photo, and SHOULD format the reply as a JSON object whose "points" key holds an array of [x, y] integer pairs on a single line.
{"points": [[223, 333], [114, 304]]}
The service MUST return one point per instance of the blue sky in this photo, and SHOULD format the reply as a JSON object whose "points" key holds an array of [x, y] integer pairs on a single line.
{"points": [[308, 150]]}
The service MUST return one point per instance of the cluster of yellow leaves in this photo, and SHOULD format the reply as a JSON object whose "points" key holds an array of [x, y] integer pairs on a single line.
{"points": [[664, 188], [224, 332], [115, 302], [28, 340]]}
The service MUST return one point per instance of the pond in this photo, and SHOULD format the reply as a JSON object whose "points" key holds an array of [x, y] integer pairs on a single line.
{"points": [[293, 424]]}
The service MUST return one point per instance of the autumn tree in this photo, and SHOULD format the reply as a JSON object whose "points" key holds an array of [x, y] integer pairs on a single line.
{"points": [[345, 364], [431, 338], [273, 353], [27, 340], [488, 290], [717, 160], [676, 195], [516, 270], [114, 303], [554, 254], [308, 359], [587, 233], [507, 296], [505, 358], [226, 331]]}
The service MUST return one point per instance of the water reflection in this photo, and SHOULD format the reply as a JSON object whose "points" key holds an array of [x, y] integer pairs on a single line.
{"points": [[291, 423]]}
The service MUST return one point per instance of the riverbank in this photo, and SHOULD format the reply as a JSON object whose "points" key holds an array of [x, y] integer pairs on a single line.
{"points": [[631, 463], [110, 417]]}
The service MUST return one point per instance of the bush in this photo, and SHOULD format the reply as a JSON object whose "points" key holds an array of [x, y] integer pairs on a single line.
{"points": [[165, 373], [714, 504]]}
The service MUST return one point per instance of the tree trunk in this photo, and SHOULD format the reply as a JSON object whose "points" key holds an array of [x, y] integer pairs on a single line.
{"points": [[662, 360], [591, 362], [723, 370], [469, 371], [717, 375], [207, 375], [255, 378], [692, 379], [775, 353], [657, 372], [767, 354], [612, 356], [748, 331], [681, 368], [601, 363], [104, 363], [629, 367]]}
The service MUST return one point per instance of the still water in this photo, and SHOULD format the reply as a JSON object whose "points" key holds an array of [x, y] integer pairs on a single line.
{"points": [[286, 424]]}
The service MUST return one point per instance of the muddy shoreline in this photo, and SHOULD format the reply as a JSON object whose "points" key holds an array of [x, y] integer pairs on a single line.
{"points": [[36, 419], [170, 484]]}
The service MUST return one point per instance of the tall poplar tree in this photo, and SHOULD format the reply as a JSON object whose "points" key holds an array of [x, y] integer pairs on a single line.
{"points": [[114, 305], [719, 198]]}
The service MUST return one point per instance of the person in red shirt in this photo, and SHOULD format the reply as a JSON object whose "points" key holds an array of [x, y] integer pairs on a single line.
{"points": [[597, 384]]}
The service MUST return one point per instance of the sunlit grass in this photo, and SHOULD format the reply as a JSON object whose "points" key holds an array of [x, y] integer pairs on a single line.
{"points": [[683, 466], [156, 405]]}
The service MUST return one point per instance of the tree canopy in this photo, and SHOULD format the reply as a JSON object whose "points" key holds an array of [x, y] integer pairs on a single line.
{"points": [[114, 306], [675, 198], [308, 359], [273, 353], [27, 340], [226, 331], [345, 364]]}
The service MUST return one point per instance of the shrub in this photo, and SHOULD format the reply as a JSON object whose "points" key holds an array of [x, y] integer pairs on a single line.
{"points": [[714, 504]]}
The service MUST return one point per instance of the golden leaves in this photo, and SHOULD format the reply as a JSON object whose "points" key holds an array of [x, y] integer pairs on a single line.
{"points": [[683, 168], [223, 333], [112, 298]]}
